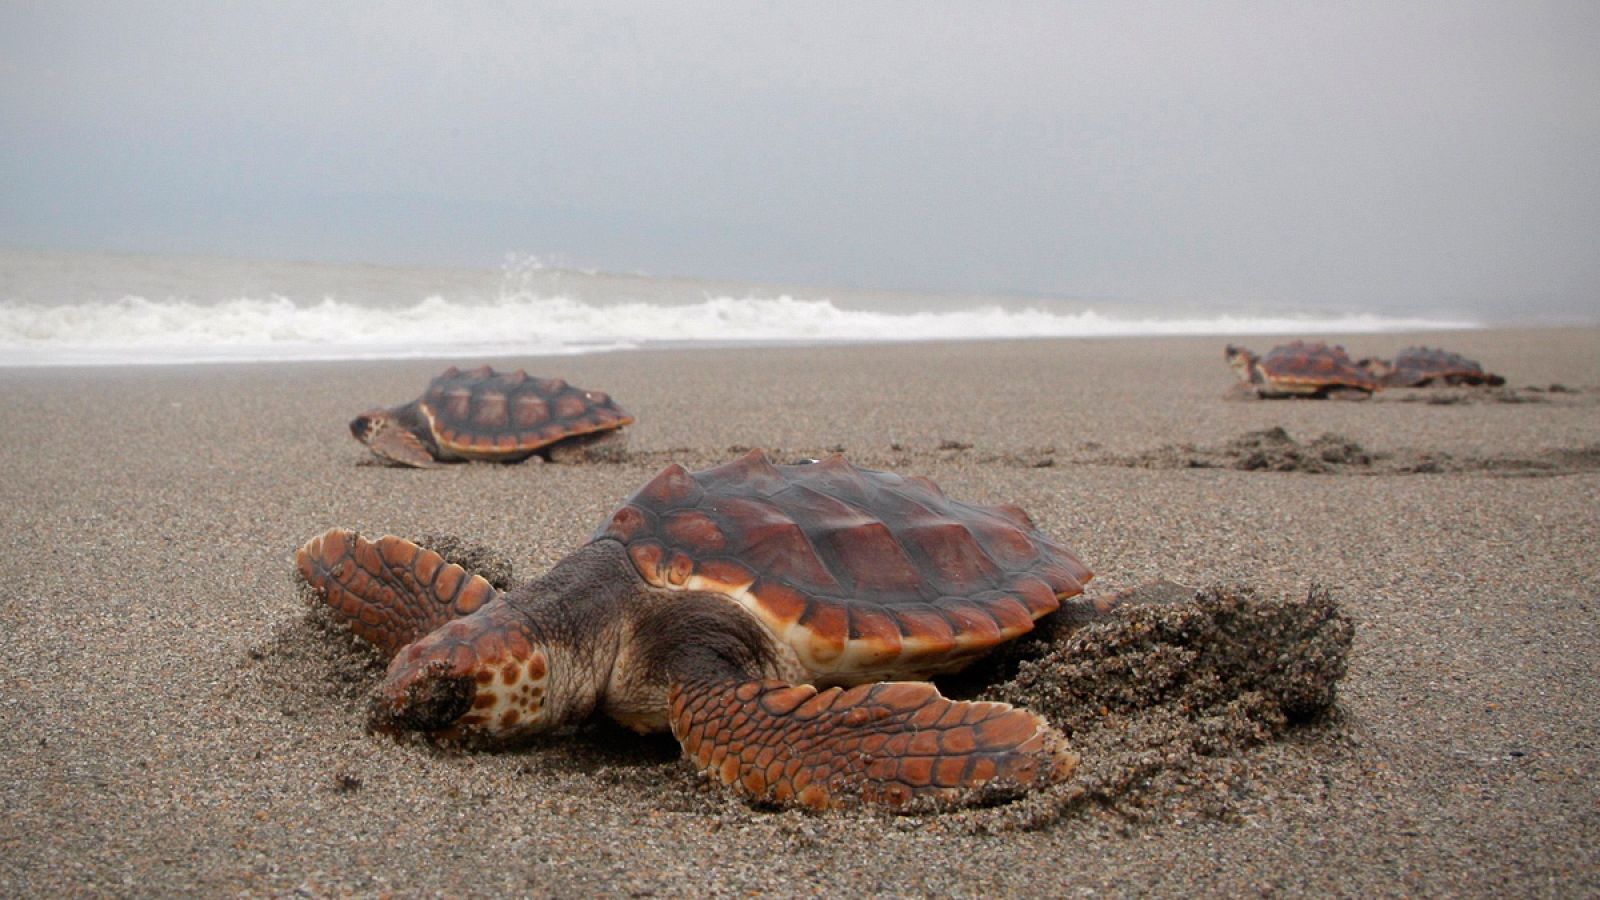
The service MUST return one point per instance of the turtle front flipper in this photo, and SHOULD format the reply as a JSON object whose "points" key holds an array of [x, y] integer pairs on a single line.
{"points": [[400, 447], [888, 743], [390, 591]]}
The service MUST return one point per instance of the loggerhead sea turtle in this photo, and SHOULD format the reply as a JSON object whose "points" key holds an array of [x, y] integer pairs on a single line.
{"points": [[488, 415], [1427, 366], [778, 619], [1301, 369]]}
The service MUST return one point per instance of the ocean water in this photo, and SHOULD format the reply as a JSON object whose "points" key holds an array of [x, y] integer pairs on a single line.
{"points": [[86, 309]]}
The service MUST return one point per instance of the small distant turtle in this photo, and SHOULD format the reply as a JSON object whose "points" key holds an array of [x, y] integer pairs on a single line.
{"points": [[780, 620], [1426, 367], [1301, 369], [487, 415]]}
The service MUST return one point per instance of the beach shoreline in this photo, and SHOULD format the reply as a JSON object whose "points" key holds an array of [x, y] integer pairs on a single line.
{"points": [[168, 726]]}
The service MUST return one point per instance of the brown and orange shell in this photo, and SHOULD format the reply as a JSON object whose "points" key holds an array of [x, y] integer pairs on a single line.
{"points": [[862, 573], [1415, 366], [484, 414], [1315, 365]]}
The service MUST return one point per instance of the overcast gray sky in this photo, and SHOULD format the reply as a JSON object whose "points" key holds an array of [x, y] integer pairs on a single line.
{"points": [[1385, 155]]}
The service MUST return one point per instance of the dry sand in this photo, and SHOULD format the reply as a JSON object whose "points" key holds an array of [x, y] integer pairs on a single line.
{"points": [[172, 721]]}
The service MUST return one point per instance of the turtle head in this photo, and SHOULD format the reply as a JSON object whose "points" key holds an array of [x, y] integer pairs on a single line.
{"points": [[481, 678], [366, 426], [1243, 363], [393, 435]]}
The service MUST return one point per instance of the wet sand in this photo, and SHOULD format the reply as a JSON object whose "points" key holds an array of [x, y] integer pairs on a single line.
{"points": [[173, 721]]}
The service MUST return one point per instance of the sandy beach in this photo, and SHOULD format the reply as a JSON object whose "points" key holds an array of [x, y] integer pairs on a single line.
{"points": [[172, 723]]}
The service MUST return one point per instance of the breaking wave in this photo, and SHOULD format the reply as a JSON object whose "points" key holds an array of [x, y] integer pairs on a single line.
{"points": [[140, 330]]}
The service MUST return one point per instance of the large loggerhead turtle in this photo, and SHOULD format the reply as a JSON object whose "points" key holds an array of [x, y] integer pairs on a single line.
{"points": [[487, 415], [1301, 369], [1426, 367], [779, 619]]}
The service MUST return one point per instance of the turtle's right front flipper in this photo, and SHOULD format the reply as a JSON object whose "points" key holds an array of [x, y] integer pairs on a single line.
{"points": [[888, 743], [390, 591]]}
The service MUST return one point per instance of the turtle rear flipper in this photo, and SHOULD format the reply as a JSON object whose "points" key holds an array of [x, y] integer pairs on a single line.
{"points": [[888, 743], [390, 591]]}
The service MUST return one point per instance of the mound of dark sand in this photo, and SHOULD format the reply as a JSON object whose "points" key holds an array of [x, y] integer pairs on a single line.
{"points": [[1268, 450], [1162, 699], [1275, 450], [1163, 702]]}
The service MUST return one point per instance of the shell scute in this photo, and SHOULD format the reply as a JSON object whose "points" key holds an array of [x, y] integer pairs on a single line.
{"points": [[491, 411], [971, 624], [1065, 577], [753, 473], [458, 403], [928, 627], [839, 480], [570, 406], [823, 633], [529, 410], [1005, 543], [1037, 596], [874, 634], [860, 572], [871, 557], [695, 530], [784, 605], [678, 569], [1009, 613], [773, 543], [953, 556], [1016, 514], [672, 488], [646, 557], [725, 575], [806, 503]]}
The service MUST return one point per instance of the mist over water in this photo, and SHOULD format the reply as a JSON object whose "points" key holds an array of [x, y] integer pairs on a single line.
{"points": [[57, 310]]}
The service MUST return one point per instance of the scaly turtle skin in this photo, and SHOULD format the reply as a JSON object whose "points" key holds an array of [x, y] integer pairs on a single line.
{"points": [[1301, 369], [487, 415], [777, 619], [1426, 366]]}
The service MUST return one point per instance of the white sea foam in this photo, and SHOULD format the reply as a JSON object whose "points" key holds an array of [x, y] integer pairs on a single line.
{"points": [[140, 330]]}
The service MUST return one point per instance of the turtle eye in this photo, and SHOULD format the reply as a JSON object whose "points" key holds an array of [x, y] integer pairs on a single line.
{"points": [[360, 426]]}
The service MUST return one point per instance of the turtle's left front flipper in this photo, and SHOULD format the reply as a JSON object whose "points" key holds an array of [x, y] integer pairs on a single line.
{"points": [[888, 743], [390, 591]]}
